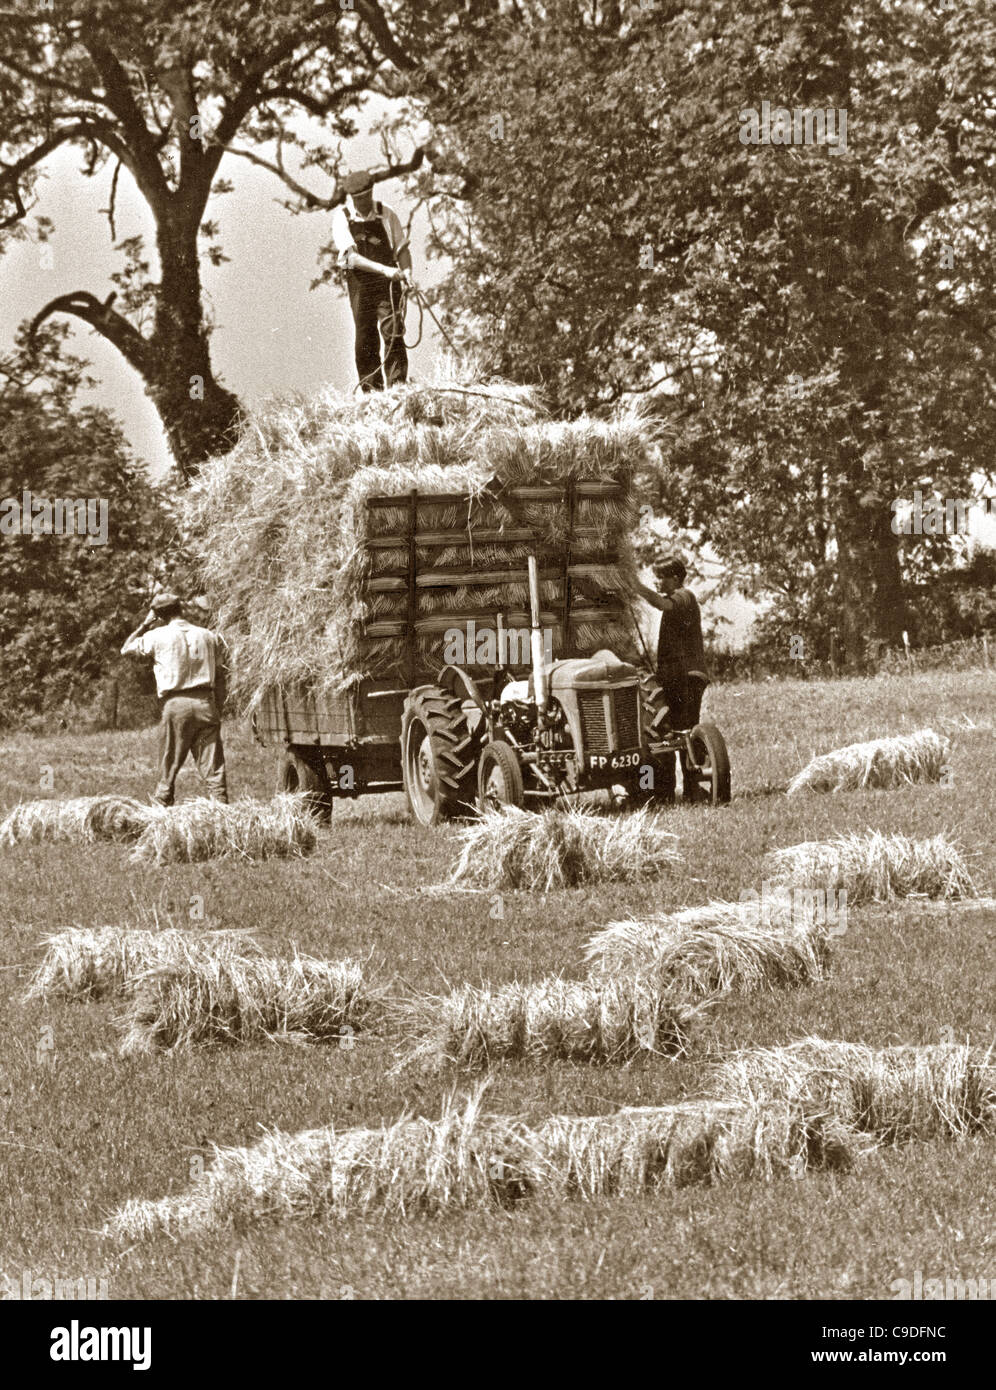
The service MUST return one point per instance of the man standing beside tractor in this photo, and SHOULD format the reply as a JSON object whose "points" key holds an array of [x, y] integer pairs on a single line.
{"points": [[374, 253], [681, 663]]}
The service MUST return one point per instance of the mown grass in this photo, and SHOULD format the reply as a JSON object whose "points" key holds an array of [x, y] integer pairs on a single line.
{"points": [[84, 1131]]}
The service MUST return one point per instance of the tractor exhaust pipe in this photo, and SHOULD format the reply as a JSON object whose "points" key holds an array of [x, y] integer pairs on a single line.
{"points": [[536, 637]]}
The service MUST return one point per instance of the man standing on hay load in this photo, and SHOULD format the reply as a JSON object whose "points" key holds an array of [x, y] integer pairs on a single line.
{"points": [[681, 664], [190, 665], [373, 251]]}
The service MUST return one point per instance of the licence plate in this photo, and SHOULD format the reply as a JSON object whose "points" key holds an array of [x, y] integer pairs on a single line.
{"points": [[614, 762]]}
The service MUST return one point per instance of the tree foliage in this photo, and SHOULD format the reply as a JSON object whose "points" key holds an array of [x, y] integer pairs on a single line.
{"points": [[817, 324], [66, 604]]}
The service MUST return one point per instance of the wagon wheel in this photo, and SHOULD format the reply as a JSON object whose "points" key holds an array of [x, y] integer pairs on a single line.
{"points": [[437, 755], [296, 774], [705, 766], [499, 777]]}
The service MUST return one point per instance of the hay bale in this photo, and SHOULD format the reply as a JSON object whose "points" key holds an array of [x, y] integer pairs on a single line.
{"points": [[304, 613], [881, 763], [246, 829], [94, 962], [720, 947], [563, 848], [80, 820], [896, 1094], [232, 999], [471, 1159], [873, 867], [553, 1018], [697, 1142]]}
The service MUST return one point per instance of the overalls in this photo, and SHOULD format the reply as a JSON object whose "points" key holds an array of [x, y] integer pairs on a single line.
{"points": [[375, 302]]}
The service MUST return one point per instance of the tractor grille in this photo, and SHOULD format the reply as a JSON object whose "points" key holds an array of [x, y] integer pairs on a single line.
{"points": [[627, 718], [626, 710], [596, 735]]}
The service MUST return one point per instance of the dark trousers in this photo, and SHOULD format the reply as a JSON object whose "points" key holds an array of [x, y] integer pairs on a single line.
{"points": [[376, 304], [190, 724]]}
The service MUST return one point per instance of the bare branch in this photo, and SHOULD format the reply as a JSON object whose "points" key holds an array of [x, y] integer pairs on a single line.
{"points": [[312, 200], [315, 105], [54, 84], [105, 319], [141, 157], [376, 21], [112, 201], [10, 174]]}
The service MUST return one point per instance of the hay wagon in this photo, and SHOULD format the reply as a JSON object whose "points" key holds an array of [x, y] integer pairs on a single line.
{"points": [[488, 618]]}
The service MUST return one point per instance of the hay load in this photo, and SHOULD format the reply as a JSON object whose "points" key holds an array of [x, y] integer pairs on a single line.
{"points": [[882, 764], [343, 537]]}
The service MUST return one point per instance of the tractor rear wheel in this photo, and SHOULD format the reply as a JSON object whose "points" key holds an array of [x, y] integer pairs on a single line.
{"points": [[499, 777], [438, 755], [296, 774], [656, 724], [705, 766]]}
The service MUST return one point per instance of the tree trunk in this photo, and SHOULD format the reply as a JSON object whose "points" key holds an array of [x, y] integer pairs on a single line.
{"points": [[200, 415], [874, 609]]}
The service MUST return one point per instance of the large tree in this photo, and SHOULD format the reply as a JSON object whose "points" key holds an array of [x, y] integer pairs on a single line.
{"points": [[165, 89], [823, 320]]}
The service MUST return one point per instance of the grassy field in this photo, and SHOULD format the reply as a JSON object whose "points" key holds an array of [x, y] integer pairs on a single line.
{"points": [[82, 1130]]}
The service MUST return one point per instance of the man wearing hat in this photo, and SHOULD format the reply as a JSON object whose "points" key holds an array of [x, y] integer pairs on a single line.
{"points": [[190, 666], [681, 664], [373, 251]]}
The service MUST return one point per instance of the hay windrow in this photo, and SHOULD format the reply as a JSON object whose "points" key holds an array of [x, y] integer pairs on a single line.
{"points": [[563, 848], [281, 525], [81, 820], [716, 948], [897, 1094], [553, 1018], [470, 1159], [880, 763], [94, 962], [873, 867], [247, 829], [232, 999]]}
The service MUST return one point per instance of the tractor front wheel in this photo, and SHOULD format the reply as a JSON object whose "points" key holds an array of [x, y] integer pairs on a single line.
{"points": [[705, 766], [499, 777], [437, 755]]}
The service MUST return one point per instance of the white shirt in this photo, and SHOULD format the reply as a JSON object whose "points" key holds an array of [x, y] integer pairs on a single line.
{"points": [[342, 237], [184, 656]]}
